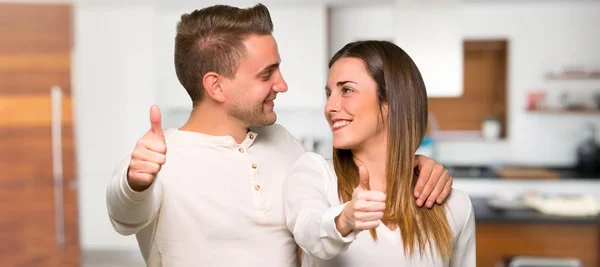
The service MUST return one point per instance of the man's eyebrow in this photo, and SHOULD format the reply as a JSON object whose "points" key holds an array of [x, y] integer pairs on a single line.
{"points": [[268, 68]]}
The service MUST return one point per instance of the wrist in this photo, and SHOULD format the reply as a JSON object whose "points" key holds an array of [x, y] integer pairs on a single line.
{"points": [[136, 187], [341, 224]]}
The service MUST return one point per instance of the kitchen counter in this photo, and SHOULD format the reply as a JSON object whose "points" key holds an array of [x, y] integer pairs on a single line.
{"points": [[487, 172], [572, 173], [486, 214]]}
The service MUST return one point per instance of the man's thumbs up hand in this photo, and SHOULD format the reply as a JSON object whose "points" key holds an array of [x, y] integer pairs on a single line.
{"points": [[149, 155]]}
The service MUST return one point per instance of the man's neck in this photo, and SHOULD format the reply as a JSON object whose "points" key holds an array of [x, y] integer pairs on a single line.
{"points": [[206, 118]]}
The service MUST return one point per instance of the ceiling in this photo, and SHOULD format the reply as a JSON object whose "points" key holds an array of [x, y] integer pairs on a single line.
{"points": [[335, 2], [166, 3]]}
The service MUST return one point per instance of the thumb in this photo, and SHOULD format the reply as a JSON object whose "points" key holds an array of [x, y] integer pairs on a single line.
{"points": [[363, 175], [155, 121]]}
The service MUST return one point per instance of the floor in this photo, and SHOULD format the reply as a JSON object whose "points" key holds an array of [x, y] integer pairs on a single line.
{"points": [[112, 258]]}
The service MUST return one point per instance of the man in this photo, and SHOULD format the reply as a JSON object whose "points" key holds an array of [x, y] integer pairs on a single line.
{"points": [[217, 199]]}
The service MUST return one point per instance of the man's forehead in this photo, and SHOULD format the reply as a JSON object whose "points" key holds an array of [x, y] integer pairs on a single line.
{"points": [[261, 52], [260, 44]]}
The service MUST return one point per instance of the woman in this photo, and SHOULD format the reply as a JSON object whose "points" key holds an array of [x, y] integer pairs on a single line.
{"points": [[359, 210]]}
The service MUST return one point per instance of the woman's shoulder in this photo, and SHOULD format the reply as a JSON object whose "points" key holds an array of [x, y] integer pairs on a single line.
{"points": [[311, 170], [310, 162], [460, 209], [459, 199], [310, 157]]}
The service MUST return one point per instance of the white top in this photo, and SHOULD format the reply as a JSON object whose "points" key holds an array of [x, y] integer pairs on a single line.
{"points": [[214, 202], [312, 203]]}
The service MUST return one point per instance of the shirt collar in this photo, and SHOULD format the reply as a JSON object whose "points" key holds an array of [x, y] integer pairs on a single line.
{"points": [[195, 138]]}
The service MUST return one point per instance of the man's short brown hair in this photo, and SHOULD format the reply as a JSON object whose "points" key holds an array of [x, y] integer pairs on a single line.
{"points": [[210, 40]]}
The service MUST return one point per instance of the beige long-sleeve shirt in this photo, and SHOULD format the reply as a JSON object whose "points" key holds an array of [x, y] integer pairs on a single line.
{"points": [[214, 202], [312, 203]]}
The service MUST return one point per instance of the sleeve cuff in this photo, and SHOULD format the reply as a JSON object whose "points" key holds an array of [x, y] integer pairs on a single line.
{"points": [[131, 194], [328, 225]]}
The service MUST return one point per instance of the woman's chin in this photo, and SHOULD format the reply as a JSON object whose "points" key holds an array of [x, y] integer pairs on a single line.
{"points": [[343, 145]]}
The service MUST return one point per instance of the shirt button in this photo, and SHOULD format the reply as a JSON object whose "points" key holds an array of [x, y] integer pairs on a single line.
{"points": [[254, 166], [241, 150], [257, 187], [251, 136]]}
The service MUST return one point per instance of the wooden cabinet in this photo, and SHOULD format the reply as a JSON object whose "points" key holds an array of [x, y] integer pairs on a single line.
{"points": [[485, 90], [497, 241], [501, 234], [38, 199]]}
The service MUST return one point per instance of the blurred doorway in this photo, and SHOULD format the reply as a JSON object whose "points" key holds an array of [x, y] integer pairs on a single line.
{"points": [[38, 199]]}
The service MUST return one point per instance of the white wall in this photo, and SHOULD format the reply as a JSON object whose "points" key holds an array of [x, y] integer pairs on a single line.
{"points": [[379, 22], [123, 63], [302, 39], [113, 81], [542, 36], [430, 32], [301, 36], [515, 188], [362, 22]]}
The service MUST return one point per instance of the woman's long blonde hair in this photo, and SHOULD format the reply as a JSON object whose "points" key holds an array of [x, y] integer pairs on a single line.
{"points": [[401, 87]]}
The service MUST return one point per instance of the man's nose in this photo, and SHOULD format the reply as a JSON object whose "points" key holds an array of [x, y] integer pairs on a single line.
{"points": [[280, 86]]}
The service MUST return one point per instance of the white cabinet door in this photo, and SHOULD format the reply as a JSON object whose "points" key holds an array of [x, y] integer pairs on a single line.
{"points": [[429, 31]]}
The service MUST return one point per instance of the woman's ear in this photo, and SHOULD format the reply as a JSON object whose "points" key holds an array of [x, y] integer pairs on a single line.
{"points": [[384, 110], [384, 116]]}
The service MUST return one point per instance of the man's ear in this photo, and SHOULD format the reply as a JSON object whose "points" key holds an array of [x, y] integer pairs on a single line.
{"points": [[212, 83]]}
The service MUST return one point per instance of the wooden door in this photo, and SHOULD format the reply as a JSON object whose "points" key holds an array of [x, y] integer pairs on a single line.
{"points": [[38, 200]]}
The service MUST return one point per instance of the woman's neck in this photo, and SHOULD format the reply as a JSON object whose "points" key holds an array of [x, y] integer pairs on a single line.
{"points": [[374, 157]]}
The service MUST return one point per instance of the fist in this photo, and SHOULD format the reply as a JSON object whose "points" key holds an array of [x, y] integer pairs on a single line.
{"points": [[365, 209], [149, 155]]}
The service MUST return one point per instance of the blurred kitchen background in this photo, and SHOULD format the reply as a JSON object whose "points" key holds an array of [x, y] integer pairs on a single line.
{"points": [[514, 91]]}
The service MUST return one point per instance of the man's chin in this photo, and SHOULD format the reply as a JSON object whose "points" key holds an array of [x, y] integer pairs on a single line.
{"points": [[268, 119], [271, 120]]}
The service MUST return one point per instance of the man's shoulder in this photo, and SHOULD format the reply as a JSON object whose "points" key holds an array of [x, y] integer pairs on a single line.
{"points": [[279, 136], [273, 130], [276, 133]]}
